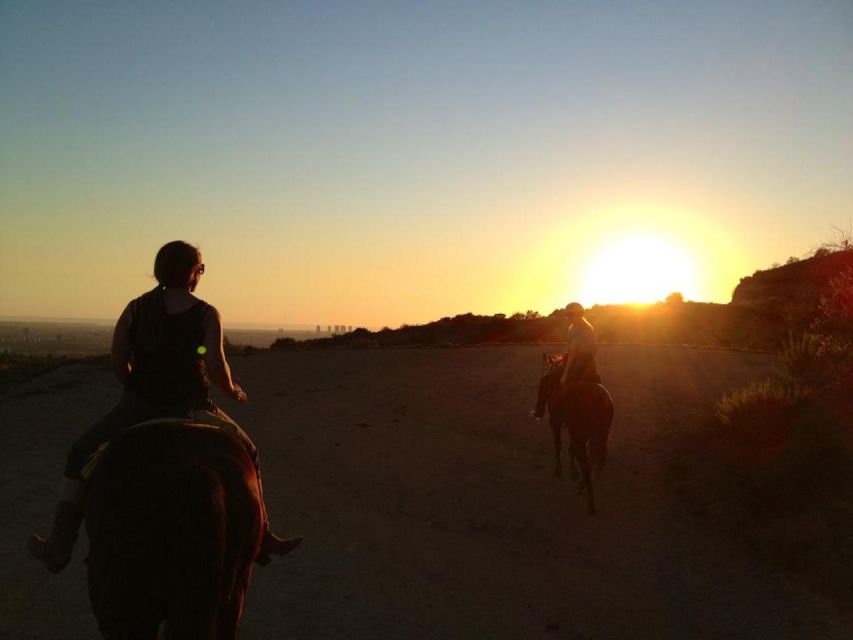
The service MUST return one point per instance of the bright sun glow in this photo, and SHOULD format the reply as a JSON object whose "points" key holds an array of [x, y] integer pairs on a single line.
{"points": [[639, 269]]}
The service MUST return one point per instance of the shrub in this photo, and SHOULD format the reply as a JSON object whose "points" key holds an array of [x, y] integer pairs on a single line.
{"points": [[781, 449], [759, 414], [810, 463], [805, 360], [284, 344], [835, 313]]}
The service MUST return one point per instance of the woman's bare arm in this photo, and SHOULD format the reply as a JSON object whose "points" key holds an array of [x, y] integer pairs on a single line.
{"points": [[121, 348], [218, 369], [571, 352]]}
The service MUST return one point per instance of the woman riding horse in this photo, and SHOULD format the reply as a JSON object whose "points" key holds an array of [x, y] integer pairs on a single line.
{"points": [[576, 400], [167, 348], [578, 364]]}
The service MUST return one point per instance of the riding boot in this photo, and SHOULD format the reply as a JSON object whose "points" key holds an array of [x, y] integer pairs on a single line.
{"points": [[275, 546], [272, 544], [56, 549]]}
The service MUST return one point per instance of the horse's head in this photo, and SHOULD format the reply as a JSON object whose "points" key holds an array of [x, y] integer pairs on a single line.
{"points": [[555, 360]]}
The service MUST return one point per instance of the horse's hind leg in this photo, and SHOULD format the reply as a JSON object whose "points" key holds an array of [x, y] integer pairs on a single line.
{"points": [[573, 469], [128, 630], [579, 452], [558, 447]]}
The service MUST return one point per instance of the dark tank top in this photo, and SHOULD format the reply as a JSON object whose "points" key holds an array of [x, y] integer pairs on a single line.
{"points": [[174, 373]]}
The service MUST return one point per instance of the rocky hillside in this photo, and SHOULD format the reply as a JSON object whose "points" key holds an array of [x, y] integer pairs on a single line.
{"points": [[766, 308], [799, 284]]}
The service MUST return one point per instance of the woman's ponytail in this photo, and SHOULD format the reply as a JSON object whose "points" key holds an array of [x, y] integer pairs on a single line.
{"points": [[172, 268]]}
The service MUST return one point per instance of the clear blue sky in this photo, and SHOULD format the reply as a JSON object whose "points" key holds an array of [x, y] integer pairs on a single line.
{"points": [[378, 163]]}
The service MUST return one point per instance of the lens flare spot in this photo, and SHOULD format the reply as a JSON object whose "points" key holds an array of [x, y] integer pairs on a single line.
{"points": [[201, 350]]}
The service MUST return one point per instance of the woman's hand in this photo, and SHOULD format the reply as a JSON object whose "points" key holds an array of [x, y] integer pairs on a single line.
{"points": [[238, 394]]}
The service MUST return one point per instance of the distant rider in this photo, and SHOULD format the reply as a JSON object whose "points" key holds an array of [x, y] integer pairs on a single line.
{"points": [[579, 360]]}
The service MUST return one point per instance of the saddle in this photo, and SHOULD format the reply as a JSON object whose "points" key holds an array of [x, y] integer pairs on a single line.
{"points": [[196, 419]]}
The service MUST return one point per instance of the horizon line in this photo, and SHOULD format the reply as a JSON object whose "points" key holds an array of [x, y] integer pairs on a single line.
{"points": [[270, 326]]}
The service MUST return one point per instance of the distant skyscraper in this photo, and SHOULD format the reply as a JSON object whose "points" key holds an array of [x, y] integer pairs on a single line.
{"points": [[318, 328]]}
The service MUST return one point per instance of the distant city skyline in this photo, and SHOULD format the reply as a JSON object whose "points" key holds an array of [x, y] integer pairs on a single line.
{"points": [[379, 163], [267, 326]]}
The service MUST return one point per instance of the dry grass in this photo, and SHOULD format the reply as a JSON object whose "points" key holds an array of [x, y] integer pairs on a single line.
{"points": [[759, 414], [775, 468], [777, 463]]}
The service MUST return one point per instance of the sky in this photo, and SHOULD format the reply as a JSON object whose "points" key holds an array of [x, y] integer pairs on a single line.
{"points": [[380, 163]]}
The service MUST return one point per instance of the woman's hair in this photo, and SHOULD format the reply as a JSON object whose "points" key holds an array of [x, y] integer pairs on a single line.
{"points": [[575, 307], [172, 268], [174, 263]]}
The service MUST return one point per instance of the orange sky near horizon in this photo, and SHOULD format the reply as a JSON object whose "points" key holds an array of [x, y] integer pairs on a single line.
{"points": [[605, 255]]}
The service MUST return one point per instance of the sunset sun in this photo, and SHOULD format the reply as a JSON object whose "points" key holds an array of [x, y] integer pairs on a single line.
{"points": [[638, 269]]}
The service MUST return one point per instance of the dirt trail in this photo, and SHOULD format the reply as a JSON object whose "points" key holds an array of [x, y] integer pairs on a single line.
{"points": [[428, 506]]}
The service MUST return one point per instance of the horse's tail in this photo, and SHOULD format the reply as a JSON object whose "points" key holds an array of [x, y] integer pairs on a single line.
{"points": [[600, 435], [223, 527], [202, 556]]}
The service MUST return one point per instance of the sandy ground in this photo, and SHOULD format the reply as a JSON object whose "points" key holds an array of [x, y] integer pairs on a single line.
{"points": [[426, 499]]}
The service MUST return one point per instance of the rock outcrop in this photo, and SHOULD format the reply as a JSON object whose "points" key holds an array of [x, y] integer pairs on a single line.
{"points": [[798, 285]]}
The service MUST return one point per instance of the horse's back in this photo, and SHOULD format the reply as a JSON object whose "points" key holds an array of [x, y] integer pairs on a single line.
{"points": [[173, 511], [154, 469], [592, 403]]}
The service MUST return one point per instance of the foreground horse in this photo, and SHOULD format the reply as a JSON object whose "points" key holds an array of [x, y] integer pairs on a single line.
{"points": [[587, 414], [174, 519]]}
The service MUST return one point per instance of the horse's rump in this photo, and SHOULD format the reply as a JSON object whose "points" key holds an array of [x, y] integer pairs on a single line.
{"points": [[594, 407], [174, 522], [588, 415]]}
